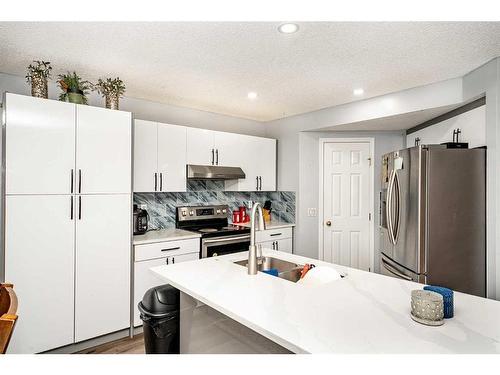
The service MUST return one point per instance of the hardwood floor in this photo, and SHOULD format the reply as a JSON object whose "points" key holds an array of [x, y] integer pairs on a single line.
{"points": [[122, 346]]}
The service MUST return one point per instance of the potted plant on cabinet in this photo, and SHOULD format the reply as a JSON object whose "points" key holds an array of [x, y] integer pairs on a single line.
{"points": [[112, 90], [38, 74], [74, 88]]}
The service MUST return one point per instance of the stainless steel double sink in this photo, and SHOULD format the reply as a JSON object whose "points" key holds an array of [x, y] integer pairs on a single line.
{"points": [[286, 270]]}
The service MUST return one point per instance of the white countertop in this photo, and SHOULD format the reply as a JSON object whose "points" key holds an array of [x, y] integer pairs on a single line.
{"points": [[273, 224], [362, 313], [169, 234]]}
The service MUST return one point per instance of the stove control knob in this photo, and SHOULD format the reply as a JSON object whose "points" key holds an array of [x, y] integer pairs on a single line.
{"points": [[224, 211], [218, 212], [191, 213], [184, 213]]}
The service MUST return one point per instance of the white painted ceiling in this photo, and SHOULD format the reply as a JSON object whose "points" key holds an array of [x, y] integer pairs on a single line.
{"points": [[212, 66]]}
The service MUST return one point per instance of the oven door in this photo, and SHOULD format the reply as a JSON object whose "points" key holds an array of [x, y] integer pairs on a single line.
{"points": [[215, 246]]}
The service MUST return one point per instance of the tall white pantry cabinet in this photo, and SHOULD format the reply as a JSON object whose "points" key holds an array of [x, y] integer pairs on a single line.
{"points": [[67, 220]]}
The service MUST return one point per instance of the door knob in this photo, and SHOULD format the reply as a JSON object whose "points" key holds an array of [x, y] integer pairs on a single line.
{"points": [[328, 223]]}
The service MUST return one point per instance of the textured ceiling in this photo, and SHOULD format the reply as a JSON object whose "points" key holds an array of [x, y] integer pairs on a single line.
{"points": [[212, 66]]}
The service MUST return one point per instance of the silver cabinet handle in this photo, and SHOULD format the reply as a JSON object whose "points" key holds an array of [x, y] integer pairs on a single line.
{"points": [[173, 260], [216, 156], [71, 204], [213, 158], [395, 272], [156, 181], [274, 242], [72, 173], [257, 179], [79, 207], [166, 260], [277, 245], [161, 181], [260, 181], [79, 180], [275, 234], [171, 248]]}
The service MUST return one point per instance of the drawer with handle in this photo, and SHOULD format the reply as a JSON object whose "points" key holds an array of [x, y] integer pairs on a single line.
{"points": [[167, 248], [273, 234]]}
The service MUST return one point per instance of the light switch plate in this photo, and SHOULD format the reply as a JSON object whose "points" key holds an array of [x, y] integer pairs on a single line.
{"points": [[311, 212]]}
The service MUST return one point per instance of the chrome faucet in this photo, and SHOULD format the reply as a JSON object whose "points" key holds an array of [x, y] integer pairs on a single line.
{"points": [[252, 250]]}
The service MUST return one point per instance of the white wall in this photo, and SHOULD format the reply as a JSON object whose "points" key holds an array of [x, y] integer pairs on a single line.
{"points": [[153, 111], [308, 195], [471, 123]]}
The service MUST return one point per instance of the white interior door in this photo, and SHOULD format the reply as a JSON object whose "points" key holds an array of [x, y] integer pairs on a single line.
{"points": [[40, 145], [171, 157], [347, 184], [102, 293], [200, 143], [39, 261], [145, 156], [103, 150]]}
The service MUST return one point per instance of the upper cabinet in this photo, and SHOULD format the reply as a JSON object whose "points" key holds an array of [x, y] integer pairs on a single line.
{"points": [[161, 152], [55, 147], [38, 131], [159, 157], [102, 133]]}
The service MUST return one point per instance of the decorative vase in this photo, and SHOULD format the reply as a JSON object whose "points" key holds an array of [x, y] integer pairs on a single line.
{"points": [[39, 86], [112, 101], [75, 97]]}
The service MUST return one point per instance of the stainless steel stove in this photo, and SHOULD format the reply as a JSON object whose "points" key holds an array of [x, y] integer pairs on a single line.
{"points": [[218, 237]]}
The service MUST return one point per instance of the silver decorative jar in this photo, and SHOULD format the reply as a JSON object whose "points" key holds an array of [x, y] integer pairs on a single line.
{"points": [[39, 86], [112, 101], [427, 307]]}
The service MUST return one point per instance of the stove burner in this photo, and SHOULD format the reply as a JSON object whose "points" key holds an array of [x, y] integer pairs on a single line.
{"points": [[208, 230]]}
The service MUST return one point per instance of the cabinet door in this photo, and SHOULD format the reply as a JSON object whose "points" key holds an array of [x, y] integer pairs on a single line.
{"points": [[103, 150], [185, 257], [145, 156], [40, 145], [229, 149], [103, 238], [284, 245], [249, 163], [39, 261], [172, 157], [200, 143], [267, 164], [143, 280]]}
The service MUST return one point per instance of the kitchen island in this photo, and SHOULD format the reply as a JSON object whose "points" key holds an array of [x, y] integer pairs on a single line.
{"points": [[361, 313]]}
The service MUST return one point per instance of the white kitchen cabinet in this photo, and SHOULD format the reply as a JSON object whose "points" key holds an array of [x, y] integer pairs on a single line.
{"points": [[172, 157], [159, 157], [40, 147], [284, 245], [39, 261], [200, 146], [229, 149], [266, 164], [103, 150], [102, 265], [145, 156], [158, 254]]}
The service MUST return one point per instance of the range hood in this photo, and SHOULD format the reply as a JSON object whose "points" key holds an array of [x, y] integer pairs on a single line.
{"points": [[213, 172]]}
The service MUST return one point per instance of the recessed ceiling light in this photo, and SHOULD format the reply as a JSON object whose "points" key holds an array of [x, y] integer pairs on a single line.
{"points": [[252, 95], [288, 28], [358, 92]]}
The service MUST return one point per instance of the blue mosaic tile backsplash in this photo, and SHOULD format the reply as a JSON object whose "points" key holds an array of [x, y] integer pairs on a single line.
{"points": [[161, 206]]}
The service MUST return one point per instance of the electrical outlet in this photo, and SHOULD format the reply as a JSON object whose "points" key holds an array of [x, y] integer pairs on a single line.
{"points": [[143, 207], [311, 212]]}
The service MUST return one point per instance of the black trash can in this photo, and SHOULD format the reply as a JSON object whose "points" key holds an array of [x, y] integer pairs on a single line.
{"points": [[160, 316]]}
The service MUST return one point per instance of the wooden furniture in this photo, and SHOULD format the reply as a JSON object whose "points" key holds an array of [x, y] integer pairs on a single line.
{"points": [[68, 178], [8, 317]]}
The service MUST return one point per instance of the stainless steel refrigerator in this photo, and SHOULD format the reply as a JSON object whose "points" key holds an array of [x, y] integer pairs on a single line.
{"points": [[433, 217]]}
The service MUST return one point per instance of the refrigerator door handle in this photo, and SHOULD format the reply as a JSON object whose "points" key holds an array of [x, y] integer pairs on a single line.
{"points": [[397, 222], [395, 272], [388, 209]]}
